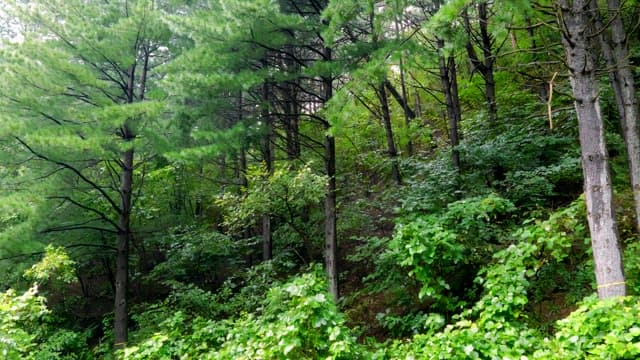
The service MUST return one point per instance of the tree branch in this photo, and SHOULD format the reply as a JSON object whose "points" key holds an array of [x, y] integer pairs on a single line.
{"points": [[75, 171]]}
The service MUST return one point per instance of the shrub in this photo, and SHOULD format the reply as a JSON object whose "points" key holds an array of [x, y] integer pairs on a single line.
{"points": [[297, 320]]}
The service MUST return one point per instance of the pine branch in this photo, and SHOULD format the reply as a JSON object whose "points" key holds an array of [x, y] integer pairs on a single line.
{"points": [[102, 215], [75, 171], [36, 253]]}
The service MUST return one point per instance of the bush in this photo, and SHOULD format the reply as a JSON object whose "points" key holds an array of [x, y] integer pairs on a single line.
{"points": [[599, 329], [298, 320], [27, 331], [449, 245]]}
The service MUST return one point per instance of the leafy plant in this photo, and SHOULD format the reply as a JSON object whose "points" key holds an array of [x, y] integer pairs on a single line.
{"points": [[27, 330], [439, 247], [297, 320], [55, 265], [597, 330], [283, 193]]}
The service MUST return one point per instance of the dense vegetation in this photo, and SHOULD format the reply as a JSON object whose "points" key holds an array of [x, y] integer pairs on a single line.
{"points": [[319, 179]]}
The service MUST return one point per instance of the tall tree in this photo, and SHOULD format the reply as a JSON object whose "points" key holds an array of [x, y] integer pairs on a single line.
{"points": [[485, 64], [449, 85], [577, 35], [615, 48], [83, 105], [267, 158], [381, 91]]}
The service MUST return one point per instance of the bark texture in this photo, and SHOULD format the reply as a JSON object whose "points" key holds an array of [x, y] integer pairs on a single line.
{"points": [[267, 157], [483, 65], [615, 49], [122, 258], [391, 144], [449, 86], [330, 229], [121, 318], [574, 20]]}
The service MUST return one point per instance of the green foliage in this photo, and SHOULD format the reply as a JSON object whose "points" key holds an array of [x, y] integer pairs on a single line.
{"points": [[495, 327], [632, 267], [431, 250], [598, 329], [19, 322], [198, 104], [523, 164], [296, 320], [299, 321], [491, 329], [283, 193], [411, 324], [55, 265], [27, 330], [438, 247], [193, 253], [431, 186]]}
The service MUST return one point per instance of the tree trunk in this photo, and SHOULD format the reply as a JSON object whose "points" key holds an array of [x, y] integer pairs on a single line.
{"points": [[267, 157], [242, 173], [484, 66], [574, 22], [391, 144], [267, 253], [487, 74], [120, 326], [450, 89], [291, 108], [401, 99], [405, 106], [122, 259], [616, 53], [330, 229]]}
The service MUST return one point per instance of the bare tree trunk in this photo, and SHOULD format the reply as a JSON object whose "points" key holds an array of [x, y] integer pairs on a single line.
{"points": [[267, 253], [401, 99], [243, 147], [122, 259], [330, 229], [616, 53], [121, 320], [574, 21], [403, 87], [484, 66], [489, 60], [291, 108], [391, 144], [267, 156], [450, 89]]}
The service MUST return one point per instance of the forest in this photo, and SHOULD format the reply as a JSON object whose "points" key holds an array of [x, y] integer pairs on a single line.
{"points": [[319, 179]]}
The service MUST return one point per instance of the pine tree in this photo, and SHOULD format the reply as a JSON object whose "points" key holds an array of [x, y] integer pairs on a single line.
{"points": [[75, 98]]}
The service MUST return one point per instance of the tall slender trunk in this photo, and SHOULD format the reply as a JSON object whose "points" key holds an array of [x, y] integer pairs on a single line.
{"points": [[403, 88], [291, 105], [489, 60], [484, 65], [122, 259], [330, 216], [291, 124], [449, 86], [267, 157], [242, 173], [574, 21], [616, 53], [401, 99], [391, 144], [418, 105], [121, 320]]}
